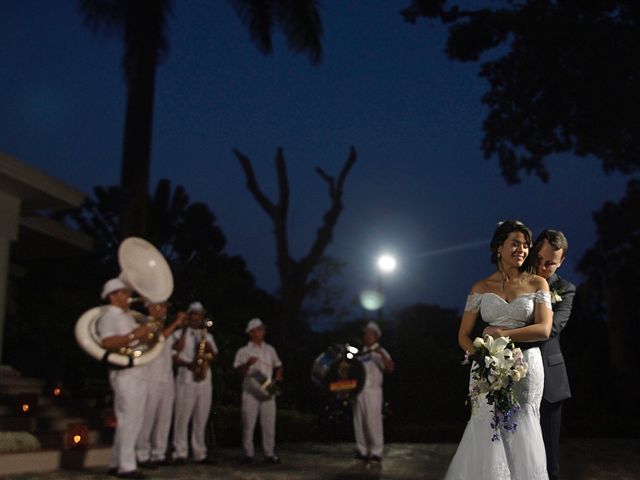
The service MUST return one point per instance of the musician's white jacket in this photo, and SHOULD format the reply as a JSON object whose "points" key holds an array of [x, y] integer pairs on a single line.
{"points": [[129, 387], [252, 407], [367, 407], [193, 400], [188, 353]]}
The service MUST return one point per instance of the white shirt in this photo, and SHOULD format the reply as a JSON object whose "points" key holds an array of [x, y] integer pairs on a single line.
{"points": [[267, 358], [188, 353], [373, 365], [117, 321], [161, 368]]}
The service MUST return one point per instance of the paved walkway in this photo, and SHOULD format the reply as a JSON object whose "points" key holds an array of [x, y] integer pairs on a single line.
{"points": [[583, 460]]}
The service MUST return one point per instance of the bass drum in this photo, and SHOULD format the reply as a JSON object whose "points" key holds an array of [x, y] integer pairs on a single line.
{"points": [[338, 373]]}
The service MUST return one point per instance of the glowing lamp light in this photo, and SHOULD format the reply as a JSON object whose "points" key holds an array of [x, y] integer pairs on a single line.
{"points": [[77, 435], [371, 299], [26, 404], [387, 263]]}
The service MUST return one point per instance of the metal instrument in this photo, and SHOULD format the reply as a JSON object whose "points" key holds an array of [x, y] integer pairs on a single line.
{"points": [[146, 271], [259, 385], [338, 373], [203, 358]]}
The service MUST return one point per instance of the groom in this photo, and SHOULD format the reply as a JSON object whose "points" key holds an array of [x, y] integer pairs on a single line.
{"points": [[550, 250]]}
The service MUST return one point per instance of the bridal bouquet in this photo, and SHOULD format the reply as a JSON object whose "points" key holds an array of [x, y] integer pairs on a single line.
{"points": [[498, 364]]}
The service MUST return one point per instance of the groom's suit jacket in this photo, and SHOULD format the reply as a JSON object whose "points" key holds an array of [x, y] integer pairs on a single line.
{"points": [[556, 382]]}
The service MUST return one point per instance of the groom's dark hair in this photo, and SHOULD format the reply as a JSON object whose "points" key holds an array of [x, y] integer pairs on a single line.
{"points": [[556, 239]]}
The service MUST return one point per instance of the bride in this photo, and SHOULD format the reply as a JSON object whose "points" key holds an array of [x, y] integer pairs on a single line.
{"points": [[515, 303]]}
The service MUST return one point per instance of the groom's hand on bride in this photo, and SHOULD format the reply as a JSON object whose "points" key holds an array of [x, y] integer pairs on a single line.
{"points": [[495, 332]]}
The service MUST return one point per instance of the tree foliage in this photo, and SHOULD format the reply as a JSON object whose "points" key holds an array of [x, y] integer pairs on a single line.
{"points": [[563, 77], [612, 267]]}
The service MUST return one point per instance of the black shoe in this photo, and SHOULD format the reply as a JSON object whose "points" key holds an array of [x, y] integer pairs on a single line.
{"points": [[375, 459], [148, 465], [159, 463], [246, 460], [112, 471], [359, 456], [131, 474], [179, 461], [272, 460]]}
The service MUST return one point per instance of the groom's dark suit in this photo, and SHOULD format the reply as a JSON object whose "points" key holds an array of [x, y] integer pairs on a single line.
{"points": [[556, 382]]}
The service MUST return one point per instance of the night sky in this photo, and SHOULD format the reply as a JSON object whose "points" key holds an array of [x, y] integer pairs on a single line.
{"points": [[420, 187]]}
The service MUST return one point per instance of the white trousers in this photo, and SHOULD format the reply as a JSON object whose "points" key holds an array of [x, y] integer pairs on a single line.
{"points": [[252, 408], [129, 399], [154, 435], [193, 403], [367, 422]]}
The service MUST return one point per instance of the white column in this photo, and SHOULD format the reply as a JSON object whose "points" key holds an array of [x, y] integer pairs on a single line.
{"points": [[9, 218]]}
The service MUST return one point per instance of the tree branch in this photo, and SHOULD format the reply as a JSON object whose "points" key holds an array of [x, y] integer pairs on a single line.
{"points": [[325, 232], [253, 187]]}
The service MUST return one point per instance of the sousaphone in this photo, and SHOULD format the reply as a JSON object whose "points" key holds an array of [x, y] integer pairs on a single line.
{"points": [[145, 270]]}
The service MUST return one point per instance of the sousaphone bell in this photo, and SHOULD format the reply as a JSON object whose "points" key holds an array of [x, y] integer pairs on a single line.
{"points": [[145, 270]]}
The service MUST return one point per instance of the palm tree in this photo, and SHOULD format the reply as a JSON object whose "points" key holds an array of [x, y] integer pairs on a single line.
{"points": [[142, 24]]}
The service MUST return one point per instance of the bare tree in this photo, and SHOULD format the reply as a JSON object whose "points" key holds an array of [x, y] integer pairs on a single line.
{"points": [[296, 280]]}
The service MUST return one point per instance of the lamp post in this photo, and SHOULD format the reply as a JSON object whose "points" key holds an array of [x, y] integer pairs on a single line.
{"points": [[386, 264]]}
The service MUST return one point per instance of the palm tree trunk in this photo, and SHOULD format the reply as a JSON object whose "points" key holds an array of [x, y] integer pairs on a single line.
{"points": [[136, 150]]}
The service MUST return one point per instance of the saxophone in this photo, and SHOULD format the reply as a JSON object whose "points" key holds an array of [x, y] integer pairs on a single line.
{"points": [[202, 357]]}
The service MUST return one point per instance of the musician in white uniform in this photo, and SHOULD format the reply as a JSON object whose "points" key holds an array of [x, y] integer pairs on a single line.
{"points": [[367, 407], [151, 446], [258, 356], [118, 329], [193, 393]]}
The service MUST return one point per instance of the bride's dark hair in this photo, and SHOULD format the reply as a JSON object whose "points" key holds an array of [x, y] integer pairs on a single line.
{"points": [[501, 234]]}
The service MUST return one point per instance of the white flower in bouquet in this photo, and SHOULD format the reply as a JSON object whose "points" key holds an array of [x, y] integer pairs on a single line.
{"points": [[498, 364]]}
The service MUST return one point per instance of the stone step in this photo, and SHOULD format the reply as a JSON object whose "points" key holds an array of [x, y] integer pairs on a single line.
{"points": [[51, 460], [12, 423], [58, 439], [55, 410], [20, 385], [57, 424]]}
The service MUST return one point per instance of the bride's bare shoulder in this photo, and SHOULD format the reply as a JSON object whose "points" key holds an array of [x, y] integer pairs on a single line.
{"points": [[485, 285], [538, 283]]}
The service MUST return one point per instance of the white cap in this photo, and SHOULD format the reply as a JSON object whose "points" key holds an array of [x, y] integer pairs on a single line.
{"points": [[195, 307], [253, 324], [373, 326], [111, 286]]}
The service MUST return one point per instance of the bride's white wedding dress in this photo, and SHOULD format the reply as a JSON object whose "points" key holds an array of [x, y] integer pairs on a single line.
{"points": [[520, 454]]}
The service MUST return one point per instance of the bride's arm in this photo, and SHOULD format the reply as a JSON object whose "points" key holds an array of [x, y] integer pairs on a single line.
{"points": [[469, 318]]}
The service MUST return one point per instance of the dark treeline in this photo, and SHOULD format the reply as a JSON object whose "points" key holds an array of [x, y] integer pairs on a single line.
{"points": [[425, 397]]}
